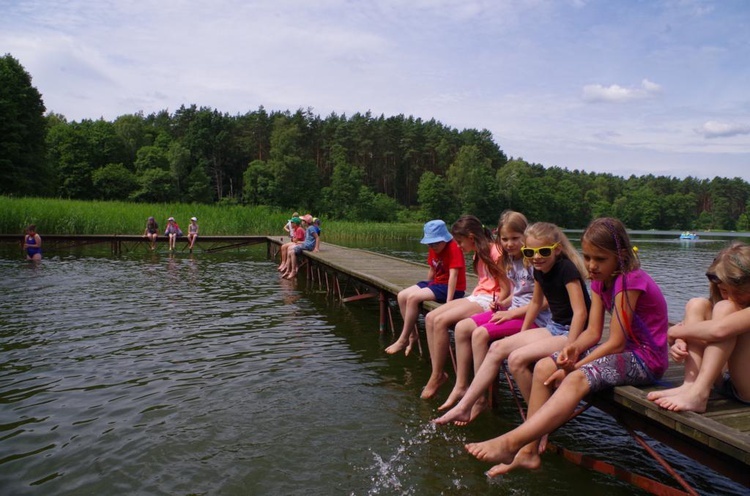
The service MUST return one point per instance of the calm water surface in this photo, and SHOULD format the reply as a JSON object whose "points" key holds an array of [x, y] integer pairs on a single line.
{"points": [[207, 374]]}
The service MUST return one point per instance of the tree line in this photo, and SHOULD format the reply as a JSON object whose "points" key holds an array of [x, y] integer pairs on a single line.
{"points": [[358, 167]]}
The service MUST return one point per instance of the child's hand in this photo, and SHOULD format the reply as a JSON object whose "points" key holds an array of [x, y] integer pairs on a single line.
{"points": [[678, 351], [500, 316], [567, 358], [556, 378]]}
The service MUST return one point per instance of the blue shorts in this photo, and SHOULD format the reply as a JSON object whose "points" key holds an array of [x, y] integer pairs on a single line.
{"points": [[728, 389], [440, 291], [558, 329]]}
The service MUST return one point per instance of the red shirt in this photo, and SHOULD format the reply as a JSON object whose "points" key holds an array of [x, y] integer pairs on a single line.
{"points": [[451, 257], [299, 234]]}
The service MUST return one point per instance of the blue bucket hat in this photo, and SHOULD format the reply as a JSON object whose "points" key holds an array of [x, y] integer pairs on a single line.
{"points": [[435, 231]]}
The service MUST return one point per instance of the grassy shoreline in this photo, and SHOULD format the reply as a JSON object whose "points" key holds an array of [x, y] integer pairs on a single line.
{"points": [[60, 216]]}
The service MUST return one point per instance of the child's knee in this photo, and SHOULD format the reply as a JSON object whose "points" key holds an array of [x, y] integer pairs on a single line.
{"points": [[516, 362], [497, 351], [479, 337]]}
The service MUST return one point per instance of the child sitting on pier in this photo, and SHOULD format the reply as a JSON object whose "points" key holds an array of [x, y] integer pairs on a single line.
{"points": [[446, 281], [172, 231], [558, 272], [717, 338], [471, 236], [192, 233], [298, 236], [151, 232], [635, 352], [474, 335], [311, 243]]}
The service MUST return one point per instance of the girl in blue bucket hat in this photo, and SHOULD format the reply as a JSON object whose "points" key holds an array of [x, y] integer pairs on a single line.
{"points": [[446, 281]]}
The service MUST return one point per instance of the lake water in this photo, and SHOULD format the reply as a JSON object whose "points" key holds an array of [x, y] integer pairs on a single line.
{"points": [[151, 373]]}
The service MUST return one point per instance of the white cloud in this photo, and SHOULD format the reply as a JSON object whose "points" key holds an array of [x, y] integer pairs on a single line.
{"points": [[618, 94], [715, 129]]}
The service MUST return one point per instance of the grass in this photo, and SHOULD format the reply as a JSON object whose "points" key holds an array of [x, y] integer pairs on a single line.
{"points": [[60, 216]]}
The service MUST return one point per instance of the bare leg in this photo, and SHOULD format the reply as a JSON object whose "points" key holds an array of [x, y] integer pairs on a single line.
{"points": [[437, 323], [480, 344], [696, 310], [409, 300], [487, 373], [694, 396], [549, 416], [521, 360], [462, 336]]}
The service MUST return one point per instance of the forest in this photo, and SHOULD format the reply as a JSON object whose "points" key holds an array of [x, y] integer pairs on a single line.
{"points": [[359, 167]]}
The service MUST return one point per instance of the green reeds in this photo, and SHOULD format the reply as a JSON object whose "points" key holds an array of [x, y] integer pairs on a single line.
{"points": [[59, 216]]}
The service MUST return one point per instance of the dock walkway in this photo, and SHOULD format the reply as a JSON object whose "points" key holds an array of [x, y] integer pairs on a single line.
{"points": [[719, 438]]}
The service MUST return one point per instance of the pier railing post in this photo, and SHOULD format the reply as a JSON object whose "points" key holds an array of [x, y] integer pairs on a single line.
{"points": [[383, 297]]}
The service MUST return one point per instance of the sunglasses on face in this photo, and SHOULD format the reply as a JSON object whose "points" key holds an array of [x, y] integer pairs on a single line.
{"points": [[734, 281], [713, 278], [543, 251]]}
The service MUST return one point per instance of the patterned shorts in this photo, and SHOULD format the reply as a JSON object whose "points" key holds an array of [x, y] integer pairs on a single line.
{"points": [[614, 370]]}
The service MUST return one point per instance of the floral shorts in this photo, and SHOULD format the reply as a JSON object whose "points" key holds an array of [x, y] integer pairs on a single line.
{"points": [[614, 370]]}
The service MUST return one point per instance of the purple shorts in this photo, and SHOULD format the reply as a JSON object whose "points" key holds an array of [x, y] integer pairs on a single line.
{"points": [[497, 331]]}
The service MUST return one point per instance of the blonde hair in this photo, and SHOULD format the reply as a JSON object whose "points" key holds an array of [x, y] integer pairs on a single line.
{"points": [[609, 234], [550, 233], [468, 226], [515, 222], [733, 266]]}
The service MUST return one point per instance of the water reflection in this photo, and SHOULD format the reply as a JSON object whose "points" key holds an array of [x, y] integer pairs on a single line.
{"points": [[208, 374]]}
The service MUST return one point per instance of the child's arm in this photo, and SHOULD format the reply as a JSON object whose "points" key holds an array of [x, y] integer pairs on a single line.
{"points": [[568, 357], [532, 311], [580, 312], [713, 330], [452, 281], [317, 242], [617, 339]]}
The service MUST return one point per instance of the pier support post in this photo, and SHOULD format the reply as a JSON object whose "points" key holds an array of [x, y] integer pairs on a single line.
{"points": [[383, 311]]}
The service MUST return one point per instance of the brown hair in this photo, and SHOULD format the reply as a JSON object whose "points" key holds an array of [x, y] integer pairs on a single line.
{"points": [[609, 234], [468, 226]]}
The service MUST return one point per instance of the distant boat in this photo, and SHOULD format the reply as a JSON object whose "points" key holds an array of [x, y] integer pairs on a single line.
{"points": [[689, 236]]}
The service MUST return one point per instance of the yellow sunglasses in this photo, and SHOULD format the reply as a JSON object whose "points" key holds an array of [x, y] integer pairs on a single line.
{"points": [[543, 251]]}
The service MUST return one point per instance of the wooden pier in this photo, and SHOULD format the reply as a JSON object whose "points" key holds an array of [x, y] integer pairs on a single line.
{"points": [[123, 243], [719, 438]]}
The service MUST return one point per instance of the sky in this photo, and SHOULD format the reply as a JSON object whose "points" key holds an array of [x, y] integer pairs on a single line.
{"points": [[609, 86]]}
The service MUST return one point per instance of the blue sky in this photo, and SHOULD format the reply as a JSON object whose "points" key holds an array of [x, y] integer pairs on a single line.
{"points": [[620, 86]]}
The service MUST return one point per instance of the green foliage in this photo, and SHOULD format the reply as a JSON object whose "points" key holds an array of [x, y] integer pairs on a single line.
{"points": [[361, 167], [436, 197], [114, 182], [23, 170], [156, 185]]}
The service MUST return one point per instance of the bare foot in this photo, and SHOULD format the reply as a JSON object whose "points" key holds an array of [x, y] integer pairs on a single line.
{"points": [[687, 401], [524, 459], [432, 386], [413, 339], [655, 395], [395, 347], [453, 398], [497, 450], [479, 406], [290, 275]]}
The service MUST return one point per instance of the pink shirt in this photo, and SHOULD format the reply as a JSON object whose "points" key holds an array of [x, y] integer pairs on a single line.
{"points": [[487, 284]]}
